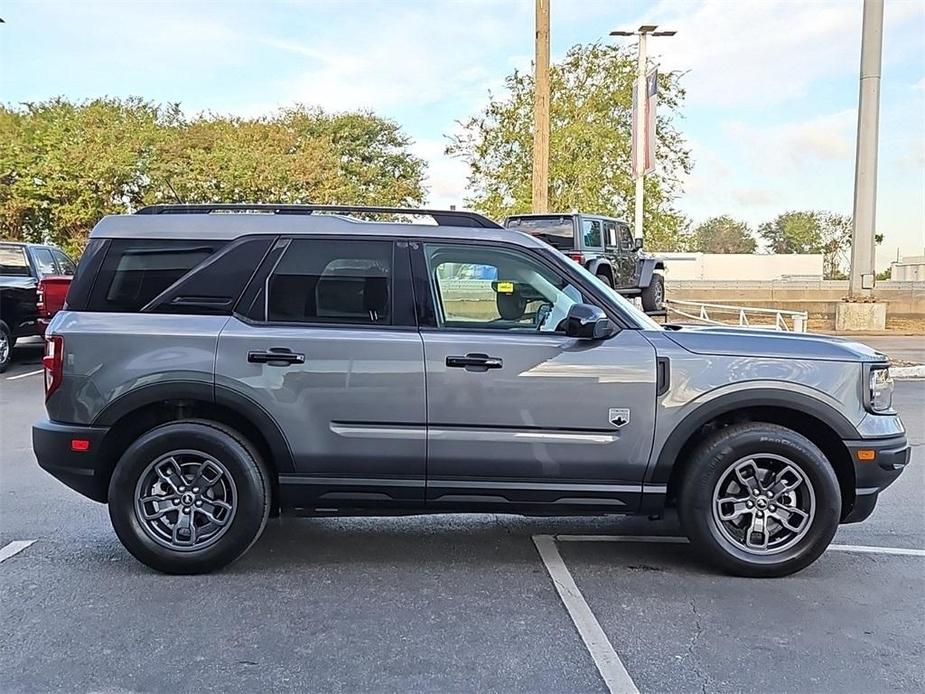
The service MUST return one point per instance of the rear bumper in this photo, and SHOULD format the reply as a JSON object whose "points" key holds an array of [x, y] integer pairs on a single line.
{"points": [[82, 471], [890, 457]]}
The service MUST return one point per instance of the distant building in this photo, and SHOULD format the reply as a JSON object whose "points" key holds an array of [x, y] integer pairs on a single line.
{"points": [[741, 266], [908, 269]]}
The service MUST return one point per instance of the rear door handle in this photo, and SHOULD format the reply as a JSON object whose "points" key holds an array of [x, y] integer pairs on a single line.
{"points": [[478, 361], [276, 356]]}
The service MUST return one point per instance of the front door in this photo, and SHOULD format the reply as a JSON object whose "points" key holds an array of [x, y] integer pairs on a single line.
{"points": [[519, 414], [330, 351]]}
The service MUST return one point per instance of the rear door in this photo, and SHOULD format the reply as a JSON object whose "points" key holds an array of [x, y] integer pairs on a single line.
{"points": [[519, 414], [325, 342]]}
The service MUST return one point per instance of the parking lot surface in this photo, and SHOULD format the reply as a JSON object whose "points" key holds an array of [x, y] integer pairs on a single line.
{"points": [[443, 603]]}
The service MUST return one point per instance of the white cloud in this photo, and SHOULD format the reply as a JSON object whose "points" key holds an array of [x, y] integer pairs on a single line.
{"points": [[446, 176], [796, 145], [760, 53]]}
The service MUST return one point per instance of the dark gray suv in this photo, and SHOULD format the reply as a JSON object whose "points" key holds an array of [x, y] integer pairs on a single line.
{"points": [[216, 364]]}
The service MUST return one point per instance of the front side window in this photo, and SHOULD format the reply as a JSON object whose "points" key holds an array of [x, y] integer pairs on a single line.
{"points": [[592, 233], [332, 281], [488, 288], [65, 265], [626, 238]]}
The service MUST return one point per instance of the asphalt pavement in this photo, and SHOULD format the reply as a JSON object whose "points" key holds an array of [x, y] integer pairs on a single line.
{"points": [[443, 603]]}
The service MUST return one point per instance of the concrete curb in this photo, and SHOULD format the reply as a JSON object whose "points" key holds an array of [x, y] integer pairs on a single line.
{"points": [[908, 372]]}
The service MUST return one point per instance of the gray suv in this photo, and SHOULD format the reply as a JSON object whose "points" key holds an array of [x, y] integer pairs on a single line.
{"points": [[218, 364]]}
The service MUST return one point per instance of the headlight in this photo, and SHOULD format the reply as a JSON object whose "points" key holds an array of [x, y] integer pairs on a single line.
{"points": [[881, 389]]}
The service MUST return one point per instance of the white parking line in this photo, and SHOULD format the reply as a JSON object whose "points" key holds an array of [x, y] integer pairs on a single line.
{"points": [[605, 657], [13, 548], [28, 373], [859, 549]]}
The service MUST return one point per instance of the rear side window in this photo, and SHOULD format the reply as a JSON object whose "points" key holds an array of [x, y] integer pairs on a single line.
{"points": [[332, 281], [44, 263], [13, 261], [135, 272]]}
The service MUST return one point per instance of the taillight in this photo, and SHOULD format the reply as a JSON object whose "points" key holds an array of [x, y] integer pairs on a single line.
{"points": [[577, 257], [40, 298], [53, 361]]}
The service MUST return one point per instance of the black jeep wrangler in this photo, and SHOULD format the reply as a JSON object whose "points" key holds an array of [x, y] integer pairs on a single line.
{"points": [[606, 247]]}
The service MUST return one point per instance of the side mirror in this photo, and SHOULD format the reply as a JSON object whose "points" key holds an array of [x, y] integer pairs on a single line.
{"points": [[637, 244], [588, 322]]}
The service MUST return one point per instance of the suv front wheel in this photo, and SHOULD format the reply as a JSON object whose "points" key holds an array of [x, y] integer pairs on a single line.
{"points": [[759, 500], [189, 497]]}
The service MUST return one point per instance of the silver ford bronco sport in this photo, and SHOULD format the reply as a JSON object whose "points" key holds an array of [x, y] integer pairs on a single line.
{"points": [[219, 363]]}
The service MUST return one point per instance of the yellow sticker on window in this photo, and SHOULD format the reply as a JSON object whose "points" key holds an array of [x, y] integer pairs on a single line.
{"points": [[505, 287]]}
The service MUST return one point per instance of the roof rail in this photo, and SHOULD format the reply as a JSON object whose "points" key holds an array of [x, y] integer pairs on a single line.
{"points": [[444, 218]]}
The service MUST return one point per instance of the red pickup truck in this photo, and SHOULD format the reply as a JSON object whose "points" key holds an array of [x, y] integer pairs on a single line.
{"points": [[34, 280]]}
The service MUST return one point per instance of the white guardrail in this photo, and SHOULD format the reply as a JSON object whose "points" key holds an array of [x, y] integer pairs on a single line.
{"points": [[706, 313]]}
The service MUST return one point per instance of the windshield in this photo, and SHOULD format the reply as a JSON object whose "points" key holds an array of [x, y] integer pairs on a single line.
{"points": [[13, 262], [557, 231], [641, 318]]}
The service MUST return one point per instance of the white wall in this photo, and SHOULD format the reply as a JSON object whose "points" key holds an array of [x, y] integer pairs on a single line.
{"points": [[740, 266], [909, 269]]}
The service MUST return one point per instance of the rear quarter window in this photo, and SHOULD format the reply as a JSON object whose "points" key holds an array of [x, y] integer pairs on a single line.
{"points": [[135, 271]]}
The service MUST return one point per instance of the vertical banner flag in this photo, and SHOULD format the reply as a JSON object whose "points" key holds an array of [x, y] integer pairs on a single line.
{"points": [[647, 142]]}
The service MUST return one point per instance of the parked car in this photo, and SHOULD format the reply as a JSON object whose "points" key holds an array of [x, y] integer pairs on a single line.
{"points": [[606, 248], [217, 363], [34, 280]]}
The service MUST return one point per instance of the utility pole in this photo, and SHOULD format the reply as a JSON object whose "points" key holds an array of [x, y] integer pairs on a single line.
{"points": [[541, 110], [640, 116], [863, 248]]}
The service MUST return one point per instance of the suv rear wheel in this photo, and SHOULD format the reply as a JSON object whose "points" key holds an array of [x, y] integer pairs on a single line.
{"points": [[759, 500], [189, 497]]}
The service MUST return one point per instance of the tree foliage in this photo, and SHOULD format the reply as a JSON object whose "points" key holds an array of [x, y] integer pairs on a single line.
{"points": [[64, 165], [590, 144], [722, 235], [813, 231]]}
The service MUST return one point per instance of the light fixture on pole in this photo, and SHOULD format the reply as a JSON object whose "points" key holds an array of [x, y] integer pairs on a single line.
{"points": [[641, 134]]}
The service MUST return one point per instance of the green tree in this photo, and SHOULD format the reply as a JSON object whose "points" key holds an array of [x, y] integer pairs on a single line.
{"points": [[828, 233], [65, 165], [590, 144], [722, 235]]}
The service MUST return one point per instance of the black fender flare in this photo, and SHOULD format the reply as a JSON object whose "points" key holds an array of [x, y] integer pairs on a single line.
{"points": [[647, 268], [596, 265], [660, 471], [153, 393]]}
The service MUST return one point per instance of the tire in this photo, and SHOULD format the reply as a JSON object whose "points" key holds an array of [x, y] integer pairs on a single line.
{"points": [[6, 347], [234, 477], [605, 278], [714, 470], [653, 296]]}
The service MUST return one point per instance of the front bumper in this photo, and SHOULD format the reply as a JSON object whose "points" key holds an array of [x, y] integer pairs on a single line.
{"points": [[85, 470], [877, 464]]}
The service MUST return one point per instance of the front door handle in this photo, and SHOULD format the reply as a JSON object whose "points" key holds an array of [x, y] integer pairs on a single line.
{"points": [[477, 361], [276, 356]]}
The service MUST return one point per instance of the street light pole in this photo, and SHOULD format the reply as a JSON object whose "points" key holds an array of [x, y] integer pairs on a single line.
{"points": [[640, 117], [863, 249], [640, 128], [541, 110]]}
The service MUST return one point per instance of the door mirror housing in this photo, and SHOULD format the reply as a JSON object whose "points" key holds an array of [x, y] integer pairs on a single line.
{"points": [[637, 244], [588, 323]]}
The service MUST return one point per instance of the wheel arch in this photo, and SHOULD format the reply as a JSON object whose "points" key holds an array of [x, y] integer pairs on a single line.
{"points": [[142, 409], [820, 423]]}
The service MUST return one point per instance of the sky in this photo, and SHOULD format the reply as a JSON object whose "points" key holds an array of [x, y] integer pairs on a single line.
{"points": [[772, 87]]}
